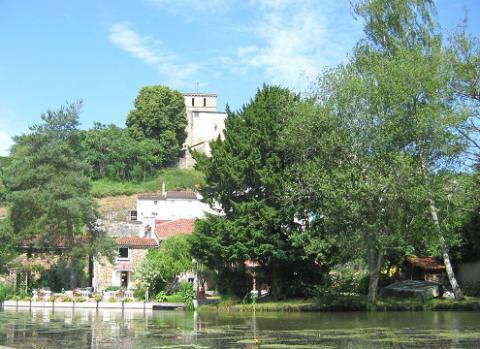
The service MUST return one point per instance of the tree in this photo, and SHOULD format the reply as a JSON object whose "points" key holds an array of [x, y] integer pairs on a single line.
{"points": [[375, 177], [161, 266], [49, 191], [160, 115], [244, 176], [113, 153]]}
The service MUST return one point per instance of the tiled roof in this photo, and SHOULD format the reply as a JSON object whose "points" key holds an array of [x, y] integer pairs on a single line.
{"points": [[174, 194], [173, 228], [136, 241], [426, 263]]}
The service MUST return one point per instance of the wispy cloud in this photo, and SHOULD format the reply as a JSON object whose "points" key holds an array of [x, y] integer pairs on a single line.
{"points": [[187, 6], [297, 40], [151, 52]]}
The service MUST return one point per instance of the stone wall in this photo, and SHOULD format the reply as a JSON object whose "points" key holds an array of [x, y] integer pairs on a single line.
{"points": [[106, 274], [119, 228]]}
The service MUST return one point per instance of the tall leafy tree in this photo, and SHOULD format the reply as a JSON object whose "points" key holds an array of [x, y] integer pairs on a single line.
{"points": [[159, 114], [244, 176], [51, 204]]}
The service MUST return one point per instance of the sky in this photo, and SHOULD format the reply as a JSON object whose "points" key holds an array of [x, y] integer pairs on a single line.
{"points": [[104, 51]]}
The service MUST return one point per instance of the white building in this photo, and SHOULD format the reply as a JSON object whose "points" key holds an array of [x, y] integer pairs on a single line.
{"points": [[205, 124]]}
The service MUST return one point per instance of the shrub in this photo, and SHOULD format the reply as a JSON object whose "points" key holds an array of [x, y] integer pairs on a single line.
{"points": [[112, 299], [27, 298], [161, 297], [80, 299], [4, 292], [188, 295], [139, 293], [113, 288], [51, 299], [66, 299], [98, 297], [128, 300], [175, 298]]}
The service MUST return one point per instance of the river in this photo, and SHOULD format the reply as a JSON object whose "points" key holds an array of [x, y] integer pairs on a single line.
{"points": [[42, 329]]}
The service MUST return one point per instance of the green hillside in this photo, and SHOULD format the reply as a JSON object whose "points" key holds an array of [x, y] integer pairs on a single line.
{"points": [[173, 178]]}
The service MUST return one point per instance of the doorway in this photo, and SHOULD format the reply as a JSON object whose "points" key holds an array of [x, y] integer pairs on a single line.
{"points": [[124, 279]]}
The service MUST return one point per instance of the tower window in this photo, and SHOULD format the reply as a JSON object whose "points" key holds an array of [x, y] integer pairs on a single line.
{"points": [[204, 102], [193, 102]]}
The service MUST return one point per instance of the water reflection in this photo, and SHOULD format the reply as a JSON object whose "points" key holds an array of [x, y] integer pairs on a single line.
{"points": [[44, 328]]}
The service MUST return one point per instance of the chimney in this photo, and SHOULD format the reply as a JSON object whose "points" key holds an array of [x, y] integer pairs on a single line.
{"points": [[164, 193]]}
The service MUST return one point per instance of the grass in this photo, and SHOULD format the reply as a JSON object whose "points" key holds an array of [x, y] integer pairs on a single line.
{"points": [[346, 303], [174, 178]]}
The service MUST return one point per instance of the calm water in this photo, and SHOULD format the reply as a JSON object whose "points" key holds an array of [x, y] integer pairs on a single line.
{"points": [[87, 329]]}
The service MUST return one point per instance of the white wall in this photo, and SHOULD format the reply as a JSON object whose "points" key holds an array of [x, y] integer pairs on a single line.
{"points": [[170, 209]]}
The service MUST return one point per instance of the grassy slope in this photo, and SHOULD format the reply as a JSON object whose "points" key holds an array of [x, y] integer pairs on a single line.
{"points": [[174, 178]]}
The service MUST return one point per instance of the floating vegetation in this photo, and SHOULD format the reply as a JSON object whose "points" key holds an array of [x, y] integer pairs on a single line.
{"points": [[43, 329]]}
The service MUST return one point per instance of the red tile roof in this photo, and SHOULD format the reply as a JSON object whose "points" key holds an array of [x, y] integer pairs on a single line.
{"points": [[136, 241], [173, 228]]}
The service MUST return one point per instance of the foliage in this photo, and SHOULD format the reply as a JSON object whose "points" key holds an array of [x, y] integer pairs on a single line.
{"points": [[5, 292], [187, 293], [175, 298], [112, 153], [112, 300], [80, 299], [139, 293], [66, 299], [49, 190], [159, 115], [57, 276], [161, 297], [174, 178], [161, 266], [113, 288], [9, 243], [4, 163], [244, 177]]}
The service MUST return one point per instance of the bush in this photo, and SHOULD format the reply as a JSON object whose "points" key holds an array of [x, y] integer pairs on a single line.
{"points": [[80, 299], [128, 300], [139, 293], [98, 297], [187, 293], [113, 288], [51, 299], [161, 297], [112, 299], [3, 292], [66, 299], [175, 298]]}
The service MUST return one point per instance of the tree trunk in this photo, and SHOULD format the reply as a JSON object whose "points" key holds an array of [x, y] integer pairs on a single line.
{"points": [[457, 291], [276, 282], [375, 262]]}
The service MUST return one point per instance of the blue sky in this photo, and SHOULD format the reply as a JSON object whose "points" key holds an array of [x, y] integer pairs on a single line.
{"points": [[104, 51]]}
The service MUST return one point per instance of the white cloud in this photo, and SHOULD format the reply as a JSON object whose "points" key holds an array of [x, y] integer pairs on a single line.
{"points": [[297, 40], [151, 52], [5, 143], [187, 6]]}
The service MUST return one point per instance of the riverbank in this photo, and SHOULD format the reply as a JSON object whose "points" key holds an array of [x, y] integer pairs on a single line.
{"points": [[344, 304]]}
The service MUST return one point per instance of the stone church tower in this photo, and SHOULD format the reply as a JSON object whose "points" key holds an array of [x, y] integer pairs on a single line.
{"points": [[205, 123]]}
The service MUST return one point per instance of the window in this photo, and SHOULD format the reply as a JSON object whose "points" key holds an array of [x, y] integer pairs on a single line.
{"points": [[193, 102], [204, 102], [155, 202], [123, 253]]}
